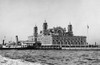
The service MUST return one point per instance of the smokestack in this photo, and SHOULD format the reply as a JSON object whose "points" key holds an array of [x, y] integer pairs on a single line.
{"points": [[3, 42], [16, 39]]}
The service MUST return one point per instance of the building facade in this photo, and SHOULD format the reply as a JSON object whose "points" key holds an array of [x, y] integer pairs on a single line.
{"points": [[57, 36]]}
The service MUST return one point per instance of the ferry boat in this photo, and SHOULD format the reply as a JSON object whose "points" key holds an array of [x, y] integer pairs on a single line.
{"points": [[38, 46]]}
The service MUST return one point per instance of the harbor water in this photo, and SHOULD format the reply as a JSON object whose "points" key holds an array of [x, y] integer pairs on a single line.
{"points": [[49, 57]]}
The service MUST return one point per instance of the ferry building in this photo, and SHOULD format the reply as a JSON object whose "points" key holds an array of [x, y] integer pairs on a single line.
{"points": [[57, 36]]}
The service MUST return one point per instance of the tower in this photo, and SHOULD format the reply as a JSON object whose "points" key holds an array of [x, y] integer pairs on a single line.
{"points": [[70, 30], [35, 33], [45, 26]]}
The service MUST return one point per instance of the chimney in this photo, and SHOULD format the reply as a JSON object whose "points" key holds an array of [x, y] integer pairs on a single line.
{"points": [[16, 39], [3, 42]]}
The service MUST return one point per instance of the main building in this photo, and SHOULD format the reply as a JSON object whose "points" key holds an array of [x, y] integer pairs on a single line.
{"points": [[57, 36]]}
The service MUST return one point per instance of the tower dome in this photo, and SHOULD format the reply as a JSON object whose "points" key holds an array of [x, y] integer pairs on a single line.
{"points": [[45, 26], [35, 33], [70, 31]]}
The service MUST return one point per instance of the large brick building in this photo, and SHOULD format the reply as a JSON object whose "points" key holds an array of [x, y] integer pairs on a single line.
{"points": [[57, 36]]}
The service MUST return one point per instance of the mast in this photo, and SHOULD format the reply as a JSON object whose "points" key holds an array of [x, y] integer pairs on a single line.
{"points": [[87, 34]]}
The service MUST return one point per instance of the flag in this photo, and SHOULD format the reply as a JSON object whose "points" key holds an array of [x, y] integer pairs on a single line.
{"points": [[87, 27]]}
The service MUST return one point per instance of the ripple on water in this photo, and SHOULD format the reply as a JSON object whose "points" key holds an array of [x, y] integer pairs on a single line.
{"points": [[55, 57]]}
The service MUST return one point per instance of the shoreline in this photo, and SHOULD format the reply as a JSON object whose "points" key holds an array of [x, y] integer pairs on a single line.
{"points": [[63, 48]]}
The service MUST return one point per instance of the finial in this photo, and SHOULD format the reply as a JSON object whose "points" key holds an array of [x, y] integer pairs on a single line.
{"points": [[35, 26], [70, 23], [45, 21]]}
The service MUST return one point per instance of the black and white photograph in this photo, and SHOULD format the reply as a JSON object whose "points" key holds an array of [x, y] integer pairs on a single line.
{"points": [[49, 32]]}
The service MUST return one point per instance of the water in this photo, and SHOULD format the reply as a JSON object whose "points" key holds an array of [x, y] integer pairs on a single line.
{"points": [[8, 61], [54, 57]]}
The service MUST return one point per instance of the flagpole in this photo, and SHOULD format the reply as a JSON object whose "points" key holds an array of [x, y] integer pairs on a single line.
{"points": [[87, 34]]}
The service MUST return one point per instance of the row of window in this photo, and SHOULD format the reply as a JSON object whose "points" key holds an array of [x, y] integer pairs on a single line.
{"points": [[65, 38], [68, 42]]}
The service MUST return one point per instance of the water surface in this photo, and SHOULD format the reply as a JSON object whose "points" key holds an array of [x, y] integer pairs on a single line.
{"points": [[55, 57]]}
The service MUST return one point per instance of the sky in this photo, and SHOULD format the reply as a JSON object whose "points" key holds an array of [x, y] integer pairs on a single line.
{"points": [[18, 17]]}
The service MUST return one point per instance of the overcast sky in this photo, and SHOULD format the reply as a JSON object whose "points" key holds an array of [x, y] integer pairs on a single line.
{"points": [[18, 17]]}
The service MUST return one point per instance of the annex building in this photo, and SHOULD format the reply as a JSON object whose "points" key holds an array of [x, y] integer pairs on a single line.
{"points": [[57, 36]]}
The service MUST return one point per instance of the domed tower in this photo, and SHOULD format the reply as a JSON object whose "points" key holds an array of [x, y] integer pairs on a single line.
{"points": [[35, 33], [45, 26], [70, 30]]}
